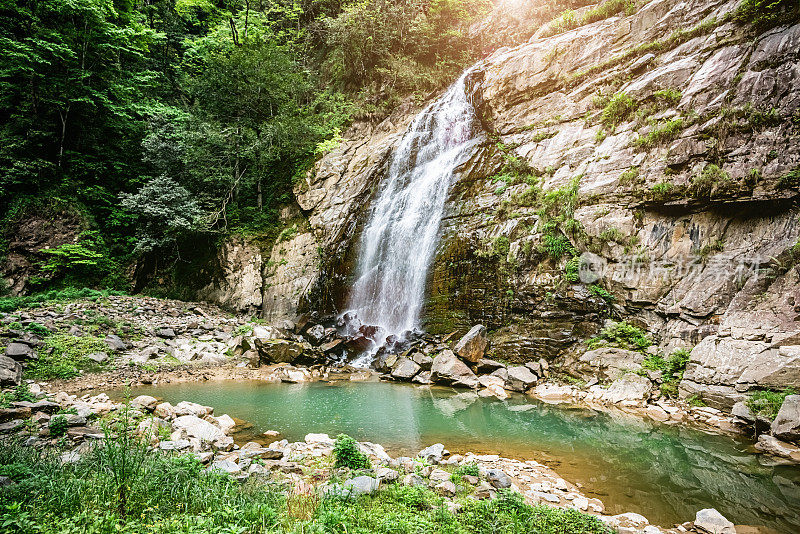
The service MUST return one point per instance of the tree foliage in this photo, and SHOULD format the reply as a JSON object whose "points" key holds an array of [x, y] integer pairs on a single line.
{"points": [[167, 119]]}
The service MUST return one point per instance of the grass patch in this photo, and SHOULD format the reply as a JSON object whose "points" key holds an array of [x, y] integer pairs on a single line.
{"points": [[123, 487], [621, 334], [672, 369], [618, 109], [660, 134], [569, 20], [767, 403], [67, 357], [10, 304]]}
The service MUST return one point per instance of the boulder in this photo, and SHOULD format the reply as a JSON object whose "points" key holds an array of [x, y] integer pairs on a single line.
{"points": [[423, 360], [385, 474], [520, 378], [434, 453], [609, 362], [711, 521], [279, 350], [362, 485], [489, 380], [424, 378], [472, 346], [20, 352], [166, 333], [742, 413], [498, 478], [448, 369], [10, 371], [486, 365], [191, 408], [198, 428], [446, 488], [776, 447], [629, 387], [786, 425], [144, 402], [405, 369], [316, 334], [98, 357], [115, 343]]}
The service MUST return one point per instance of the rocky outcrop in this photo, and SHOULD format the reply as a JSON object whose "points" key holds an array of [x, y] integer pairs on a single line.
{"points": [[236, 283], [659, 149]]}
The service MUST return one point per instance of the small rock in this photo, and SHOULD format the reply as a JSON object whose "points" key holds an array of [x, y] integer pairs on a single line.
{"points": [[446, 488], [385, 474], [98, 357], [362, 485], [166, 333], [434, 453]]}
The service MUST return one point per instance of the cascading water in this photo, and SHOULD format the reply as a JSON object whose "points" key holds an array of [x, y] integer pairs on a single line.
{"points": [[400, 237]]}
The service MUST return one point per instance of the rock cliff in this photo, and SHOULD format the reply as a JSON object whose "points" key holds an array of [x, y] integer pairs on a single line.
{"points": [[661, 147]]}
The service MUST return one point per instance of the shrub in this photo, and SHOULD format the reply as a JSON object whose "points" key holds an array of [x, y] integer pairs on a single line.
{"points": [[557, 245], [767, 403], [619, 108], [58, 426], [347, 453], [68, 356], [602, 293], [467, 469], [660, 134], [711, 179], [572, 270], [765, 14], [671, 368], [623, 335]]}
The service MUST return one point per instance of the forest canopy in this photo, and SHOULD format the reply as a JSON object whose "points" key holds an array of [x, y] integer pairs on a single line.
{"points": [[162, 120]]}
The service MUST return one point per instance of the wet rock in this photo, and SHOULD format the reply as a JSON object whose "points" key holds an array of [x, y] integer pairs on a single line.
{"points": [[520, 378], [20, 352], [316, 334], [472, 346], [405, 369], [448, 369], [711, 521], [10, 371], [786, 425]]}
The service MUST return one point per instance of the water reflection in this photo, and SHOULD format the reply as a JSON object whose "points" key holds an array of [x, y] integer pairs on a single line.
{"points": [[665, 473]]}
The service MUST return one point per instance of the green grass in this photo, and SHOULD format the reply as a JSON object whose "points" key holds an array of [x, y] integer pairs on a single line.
{"points": [[10, 304], [124, 488], [672, 369], [67, 357], [569, 20], [619, 108], [660, 134], [767, 403], [621, 334]]}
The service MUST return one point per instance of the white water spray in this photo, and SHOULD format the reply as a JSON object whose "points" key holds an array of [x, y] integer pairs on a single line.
{"points": [[400, 237]]}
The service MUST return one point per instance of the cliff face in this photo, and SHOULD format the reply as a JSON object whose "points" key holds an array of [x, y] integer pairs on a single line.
{"points": [[664, 146]]}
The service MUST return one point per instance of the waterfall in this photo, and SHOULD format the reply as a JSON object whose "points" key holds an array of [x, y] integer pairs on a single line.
{"points": [[400, 237]]}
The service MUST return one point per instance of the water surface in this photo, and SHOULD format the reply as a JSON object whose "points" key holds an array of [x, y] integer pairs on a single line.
{"points": [[665, 473]]}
